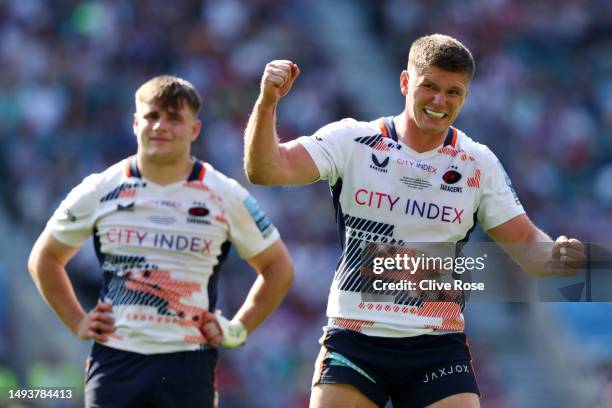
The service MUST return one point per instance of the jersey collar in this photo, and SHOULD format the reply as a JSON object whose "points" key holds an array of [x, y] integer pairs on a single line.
{"points": [[197, 173], [387, 129]]}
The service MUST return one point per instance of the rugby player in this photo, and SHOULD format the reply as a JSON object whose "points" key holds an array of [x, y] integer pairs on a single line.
{"points": [[162, 224], [406, 178]]}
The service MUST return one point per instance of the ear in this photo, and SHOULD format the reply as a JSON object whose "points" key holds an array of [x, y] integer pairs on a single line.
{"points": [[135, 124], [195, 130], [404, 82]]}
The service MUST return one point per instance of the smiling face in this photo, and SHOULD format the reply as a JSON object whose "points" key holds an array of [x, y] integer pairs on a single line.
{"points": [[165, 135], [434, 98]]}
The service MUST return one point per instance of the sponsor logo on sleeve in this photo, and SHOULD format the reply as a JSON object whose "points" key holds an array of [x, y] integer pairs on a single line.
{"points": [[259, 217], [509, 183], [70, 215]]}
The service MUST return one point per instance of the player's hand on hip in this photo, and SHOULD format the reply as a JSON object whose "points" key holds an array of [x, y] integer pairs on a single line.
{"points": [[98, 324], [277, 80], [568, 256], [218, 330], [210, 329]]}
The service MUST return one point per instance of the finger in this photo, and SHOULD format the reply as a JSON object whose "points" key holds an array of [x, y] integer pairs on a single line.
{"points": [[103, 307], [212, 333], [572, 254], [102, 327], [561, 246], [295, 71], [282, 71], [207, 317], [576, 244], [103, 317], [572, 264], [212, 329], [276, 80], [279, 63]]}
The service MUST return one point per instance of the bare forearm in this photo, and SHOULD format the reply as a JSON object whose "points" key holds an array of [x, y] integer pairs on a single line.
{"points": [[53, 284], [265, 295], [262, 155], [532, 252]]}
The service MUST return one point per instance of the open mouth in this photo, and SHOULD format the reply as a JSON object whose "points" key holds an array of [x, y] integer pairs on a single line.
{"points": [[434, 114]]}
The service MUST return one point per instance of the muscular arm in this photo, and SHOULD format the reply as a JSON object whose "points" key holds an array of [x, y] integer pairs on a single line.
{"points": [[276, 274], [527, 245], [266, 160], [47, 265]]}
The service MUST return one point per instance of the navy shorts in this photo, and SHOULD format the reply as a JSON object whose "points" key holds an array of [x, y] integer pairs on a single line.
{"points": [[117, 378], [411, 371]]}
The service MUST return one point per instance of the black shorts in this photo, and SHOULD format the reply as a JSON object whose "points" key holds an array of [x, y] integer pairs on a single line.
{"points": [[411, 371], [116, 378]]}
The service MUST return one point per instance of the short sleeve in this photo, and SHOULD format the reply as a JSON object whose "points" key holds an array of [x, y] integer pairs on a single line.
{"points": [[330, 149], [499, 202], [250, 229], [73, 221]]}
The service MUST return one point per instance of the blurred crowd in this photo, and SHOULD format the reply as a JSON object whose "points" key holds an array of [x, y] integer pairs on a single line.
{"points": [[541, 99]]}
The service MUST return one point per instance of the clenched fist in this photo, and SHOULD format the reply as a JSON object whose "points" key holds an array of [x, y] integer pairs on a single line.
{"points": [[277, 80], [567, 256]]}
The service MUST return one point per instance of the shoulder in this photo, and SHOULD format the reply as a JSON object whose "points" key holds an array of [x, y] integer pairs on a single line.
{"points": [[118, 171], [120, 178], [222, 184], [349, 127], [98, 182], [475, 150]]}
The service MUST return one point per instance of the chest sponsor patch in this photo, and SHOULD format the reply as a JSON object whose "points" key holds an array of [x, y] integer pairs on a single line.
{"points": [[415, 183]]}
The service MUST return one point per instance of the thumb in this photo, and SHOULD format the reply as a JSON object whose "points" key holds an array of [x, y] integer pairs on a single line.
{"points": [[295, 71]]}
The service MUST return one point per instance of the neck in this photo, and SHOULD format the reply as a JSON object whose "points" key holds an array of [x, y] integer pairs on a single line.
{"points": [[410, 134], [164, 172]]}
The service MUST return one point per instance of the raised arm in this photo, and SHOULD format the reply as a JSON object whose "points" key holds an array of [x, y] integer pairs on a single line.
{"points": [[266, 160]]}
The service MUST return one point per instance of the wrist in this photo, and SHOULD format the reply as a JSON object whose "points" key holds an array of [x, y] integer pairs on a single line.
{"points": [[264, 105], [74, 323], [234, 332]]}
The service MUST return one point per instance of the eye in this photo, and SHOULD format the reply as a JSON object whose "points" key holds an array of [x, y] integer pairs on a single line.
{"points": [[176, 117], [151, 115]]}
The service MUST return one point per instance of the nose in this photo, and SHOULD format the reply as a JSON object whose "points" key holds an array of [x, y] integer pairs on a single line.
{"points": [[439, 99], [160, 124]]}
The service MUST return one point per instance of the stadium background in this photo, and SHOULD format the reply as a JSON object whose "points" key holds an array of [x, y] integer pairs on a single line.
{"points": [[541, 99]]}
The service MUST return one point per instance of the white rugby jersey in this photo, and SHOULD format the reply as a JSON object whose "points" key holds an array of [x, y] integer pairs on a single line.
{"points": [[384, 191], [160, 248]]}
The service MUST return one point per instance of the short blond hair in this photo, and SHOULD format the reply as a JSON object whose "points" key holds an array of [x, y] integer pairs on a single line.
{"points": [[170, 92], [441, 51]]}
